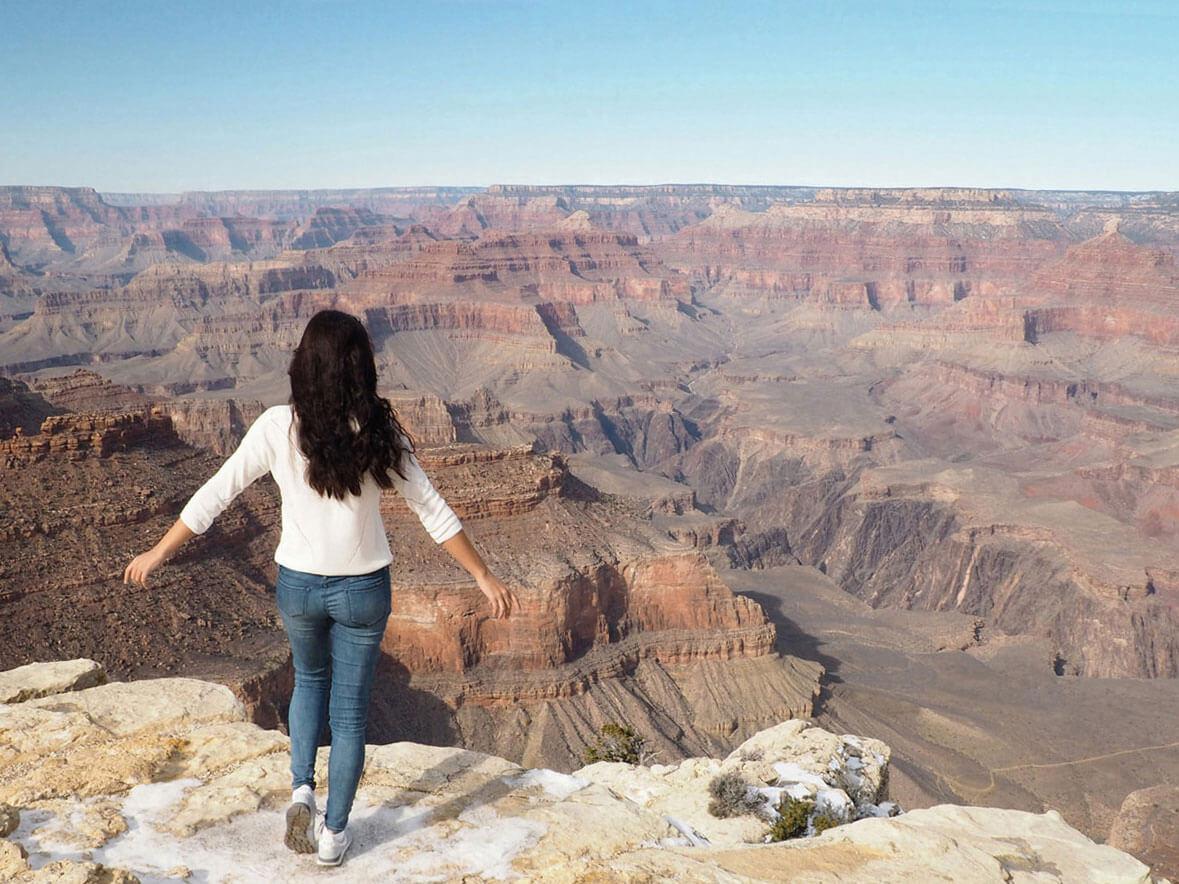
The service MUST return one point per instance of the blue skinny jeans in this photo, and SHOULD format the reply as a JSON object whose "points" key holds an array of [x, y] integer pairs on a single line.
{"points": [[334, 625]]}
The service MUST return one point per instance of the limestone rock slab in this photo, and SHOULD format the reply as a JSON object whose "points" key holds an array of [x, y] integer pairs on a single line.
{"points": [[9, 820], [846, 776], [123, 708], [190, 786], [44, 679], [103, 740]]}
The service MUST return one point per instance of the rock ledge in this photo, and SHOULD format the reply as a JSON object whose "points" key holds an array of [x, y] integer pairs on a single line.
{"points": [[165, 779]]}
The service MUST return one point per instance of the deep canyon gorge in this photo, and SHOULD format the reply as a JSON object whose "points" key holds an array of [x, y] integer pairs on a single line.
{"points": [[906, 461]]}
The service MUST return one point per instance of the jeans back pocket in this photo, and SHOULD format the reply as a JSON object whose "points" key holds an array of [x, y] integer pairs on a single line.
{"points": [[368, 598], [291, 592]]}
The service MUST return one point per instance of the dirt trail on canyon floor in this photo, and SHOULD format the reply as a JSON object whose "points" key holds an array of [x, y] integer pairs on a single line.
{"points": [[973, 717]]}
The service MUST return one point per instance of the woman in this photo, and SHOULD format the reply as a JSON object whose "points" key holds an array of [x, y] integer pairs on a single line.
{"points": [[331, 451]]}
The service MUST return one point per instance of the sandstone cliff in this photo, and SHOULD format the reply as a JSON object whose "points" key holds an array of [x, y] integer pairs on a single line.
{"points": [[876, 250], [84, 495], [328, 226], [613, 616]]}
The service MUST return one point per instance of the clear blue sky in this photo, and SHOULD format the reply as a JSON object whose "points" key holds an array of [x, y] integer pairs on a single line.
{"points": [[175, 95]]}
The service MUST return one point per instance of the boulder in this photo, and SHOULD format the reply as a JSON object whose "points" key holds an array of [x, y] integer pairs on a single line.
{"points": [[1147, 825], [45, 679]]}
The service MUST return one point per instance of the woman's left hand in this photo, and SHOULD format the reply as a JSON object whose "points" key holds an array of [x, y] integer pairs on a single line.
{"points": [[503, 600]]}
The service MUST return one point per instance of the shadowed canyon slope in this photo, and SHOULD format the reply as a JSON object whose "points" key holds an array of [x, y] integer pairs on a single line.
{"points": [[954, 403]]}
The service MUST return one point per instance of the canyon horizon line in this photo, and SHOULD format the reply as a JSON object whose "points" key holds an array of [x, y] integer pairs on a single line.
{"points": [[524, 186]]}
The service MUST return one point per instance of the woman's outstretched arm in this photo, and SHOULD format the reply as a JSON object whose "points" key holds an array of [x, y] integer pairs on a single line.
{"points": [[144, 563], [251, 459], [503, 600]]}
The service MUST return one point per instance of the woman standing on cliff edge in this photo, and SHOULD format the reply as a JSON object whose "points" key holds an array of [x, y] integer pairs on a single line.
{"points": [[331, 451]]}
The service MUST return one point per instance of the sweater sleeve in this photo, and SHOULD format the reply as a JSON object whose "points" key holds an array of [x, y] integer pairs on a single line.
{"points": [[252, 459], [432, 510]]}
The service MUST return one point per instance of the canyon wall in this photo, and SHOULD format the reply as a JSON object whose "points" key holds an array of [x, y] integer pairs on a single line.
{"points": [[607, 605], [529, 315]]}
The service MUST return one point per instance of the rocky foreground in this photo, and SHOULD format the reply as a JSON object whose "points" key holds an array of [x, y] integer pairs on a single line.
{"points": [[165, 780]]}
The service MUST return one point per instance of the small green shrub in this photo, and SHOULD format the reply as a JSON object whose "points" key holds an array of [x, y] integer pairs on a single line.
{"points": [[822, 822], [732, 796], [793, 814], [615, 742]]}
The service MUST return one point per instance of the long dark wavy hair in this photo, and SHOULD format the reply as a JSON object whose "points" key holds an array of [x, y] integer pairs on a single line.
{"points": [[344, 428]]}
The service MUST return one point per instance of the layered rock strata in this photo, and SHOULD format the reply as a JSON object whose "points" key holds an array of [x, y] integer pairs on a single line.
{"points": [[874, 250], [610, 616], [85, 495], [613, 616], [862, 380]]}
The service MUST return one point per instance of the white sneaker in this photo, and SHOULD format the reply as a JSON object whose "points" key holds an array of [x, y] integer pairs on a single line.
{"points": [[300, 834], [331, 845]]}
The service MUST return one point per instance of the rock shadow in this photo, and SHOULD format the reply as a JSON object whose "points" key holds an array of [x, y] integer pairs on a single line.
{"points": [[387, 824], [400, 712], [397, 712], [794, 641]]}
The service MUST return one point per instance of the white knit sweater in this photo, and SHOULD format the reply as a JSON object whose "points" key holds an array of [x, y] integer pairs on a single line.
{"points": [[320, 534]]}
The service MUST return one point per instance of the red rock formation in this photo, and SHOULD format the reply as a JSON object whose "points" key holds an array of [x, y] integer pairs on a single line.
{"points": [[602, 594], [1106, 288], [482, 211], [95, 490], [577, 267], [21, 410], [84, 390], [215, 424], [652, 212], [219, 239], [870, 249], [371, 248], [401, 202], [76, 436], [666, 605], [42, 221], [425, 417], [331, 225]]}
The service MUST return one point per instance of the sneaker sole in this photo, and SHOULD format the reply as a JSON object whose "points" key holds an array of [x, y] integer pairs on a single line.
{"points": [[339, 858], [298, 825]]}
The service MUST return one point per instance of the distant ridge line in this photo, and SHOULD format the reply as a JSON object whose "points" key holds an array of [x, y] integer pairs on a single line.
{"points": [[314, 195]]}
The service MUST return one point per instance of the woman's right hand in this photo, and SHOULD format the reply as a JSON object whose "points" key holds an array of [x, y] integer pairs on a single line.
{"points": [[141, 566], [503, 600], [144, 563]]}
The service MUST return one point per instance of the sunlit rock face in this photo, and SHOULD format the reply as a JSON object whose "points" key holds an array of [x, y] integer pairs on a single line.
{"points": [[166, 778], [871, 250], [1146, 826]]}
